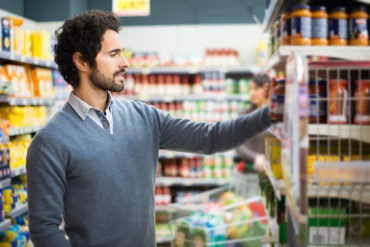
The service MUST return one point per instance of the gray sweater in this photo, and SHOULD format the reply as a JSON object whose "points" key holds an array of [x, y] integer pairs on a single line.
{"points": [[103, 184]]}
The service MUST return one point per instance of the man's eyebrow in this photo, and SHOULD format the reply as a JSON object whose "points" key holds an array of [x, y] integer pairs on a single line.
{"points": [[116, 50]]}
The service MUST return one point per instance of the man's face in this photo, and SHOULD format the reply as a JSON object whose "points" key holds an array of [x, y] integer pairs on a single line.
{"points": [[110, 64]]}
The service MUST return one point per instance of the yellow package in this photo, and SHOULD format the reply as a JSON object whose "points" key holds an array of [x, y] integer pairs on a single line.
{"points": [[27, 51], [43, 83], [19, 40], [273, 154], [19, 80], [41, 43]]}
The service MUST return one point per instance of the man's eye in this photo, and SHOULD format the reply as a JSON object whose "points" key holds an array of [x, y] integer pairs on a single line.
{"points": [[113, 54]]}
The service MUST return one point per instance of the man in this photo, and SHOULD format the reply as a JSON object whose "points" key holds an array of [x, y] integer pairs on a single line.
{"points": [[95, 161]]}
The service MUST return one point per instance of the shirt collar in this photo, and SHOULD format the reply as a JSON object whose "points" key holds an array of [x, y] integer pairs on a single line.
{"points": [[82, 108]]}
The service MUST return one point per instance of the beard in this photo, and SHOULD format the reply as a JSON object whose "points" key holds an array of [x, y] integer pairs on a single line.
{"points": [[105, 83]]}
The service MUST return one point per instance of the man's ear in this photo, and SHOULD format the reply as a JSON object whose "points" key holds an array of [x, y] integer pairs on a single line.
{"points": [[80, 63]]}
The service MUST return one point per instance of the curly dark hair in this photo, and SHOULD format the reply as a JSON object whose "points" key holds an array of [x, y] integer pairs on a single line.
{"points": [[82, 33]]}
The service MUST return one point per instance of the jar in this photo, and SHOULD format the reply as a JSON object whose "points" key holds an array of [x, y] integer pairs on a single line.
{"points": [[286, 27], [319, 26], [338, 27], [338, 101], [277, 99], [358, 32], [301, 25], [362, 97], [317, 108]]}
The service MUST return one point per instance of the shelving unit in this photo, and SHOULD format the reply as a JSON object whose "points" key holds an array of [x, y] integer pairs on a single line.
{"points": [[352, 53], [14, 131], [170, 99], [4, 99], [192, 70], [5, 225], [18, 211], [13, 57], [18, 171], [5, 183], [171, 181]]}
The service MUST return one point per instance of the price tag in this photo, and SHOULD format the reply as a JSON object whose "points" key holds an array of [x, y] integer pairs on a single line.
{"points": [[24, 102], [36, 61], [12, 56], [23, 59]]}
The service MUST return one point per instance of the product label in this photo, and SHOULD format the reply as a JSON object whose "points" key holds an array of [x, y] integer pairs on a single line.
{"points": [[338, 29], [320, 28], [287, 28], [277, 104], [317, 107], [301, 27], [327, 235], [358, 28]]}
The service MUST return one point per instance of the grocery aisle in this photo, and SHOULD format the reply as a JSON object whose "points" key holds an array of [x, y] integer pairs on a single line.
{"points": [[315, 189]]}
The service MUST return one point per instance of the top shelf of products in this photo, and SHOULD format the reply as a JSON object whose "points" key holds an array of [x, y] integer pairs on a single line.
{"points": [[353, 53], [10, 56]]}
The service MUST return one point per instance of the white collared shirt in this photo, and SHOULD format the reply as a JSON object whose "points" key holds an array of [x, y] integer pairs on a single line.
{"points": [[85, 110]]}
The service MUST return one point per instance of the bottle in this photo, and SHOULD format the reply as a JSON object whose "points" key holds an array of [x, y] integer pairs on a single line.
{"points": [[301, 25], [338, 100], [278, 99], [362, 96], [320, 26], [166, 195], [158, 198], [358, 32], [338, 27]]}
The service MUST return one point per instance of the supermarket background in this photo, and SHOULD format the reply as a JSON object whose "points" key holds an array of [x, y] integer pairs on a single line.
{"points": [[195, 59]]}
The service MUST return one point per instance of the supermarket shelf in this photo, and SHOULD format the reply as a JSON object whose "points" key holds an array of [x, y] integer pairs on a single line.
{"points": [[185, 98], [192, 70], [14, 131], [18, 171], [164, 154], [353, 53], [19, 210], [277, 184], [4, 99], [170, 181], [164, 208], [5, 183], [359, 192], [164, 240], [10, 56], [271, 14], [5, 225], [355, 132]]}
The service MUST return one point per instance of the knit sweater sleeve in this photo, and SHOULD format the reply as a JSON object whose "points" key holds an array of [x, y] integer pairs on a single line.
{"points": [[46, 181], [187, 136]]}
